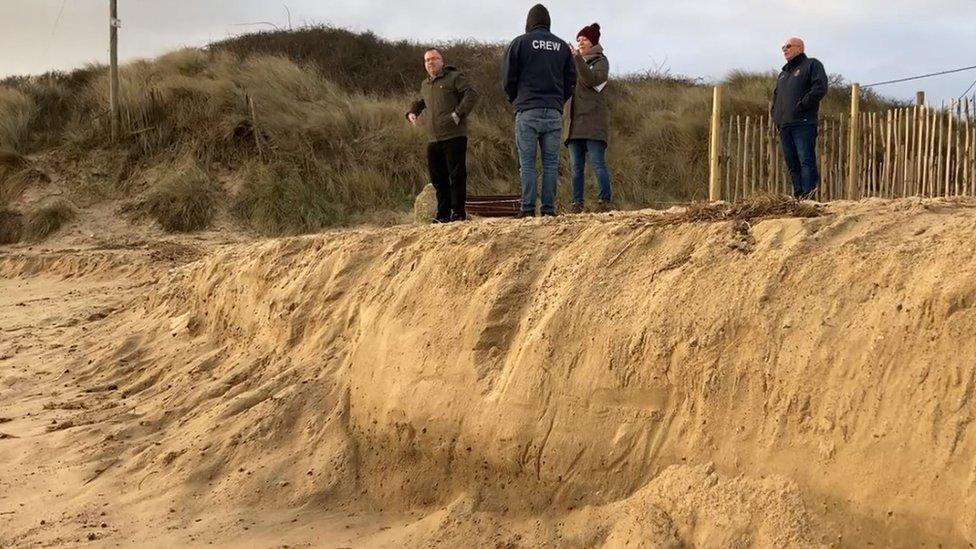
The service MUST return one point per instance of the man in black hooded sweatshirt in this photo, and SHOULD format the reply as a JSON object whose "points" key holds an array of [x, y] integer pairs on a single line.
{"points": [[539, 77]]}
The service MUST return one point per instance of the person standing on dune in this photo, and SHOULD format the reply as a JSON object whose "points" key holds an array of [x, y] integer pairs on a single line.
{"points": [[447, 98], [538, 77], [801, 86], [587, 118]]}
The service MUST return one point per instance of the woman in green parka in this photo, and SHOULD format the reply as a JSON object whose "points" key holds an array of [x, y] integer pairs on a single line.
{"points": [[586, 125]]}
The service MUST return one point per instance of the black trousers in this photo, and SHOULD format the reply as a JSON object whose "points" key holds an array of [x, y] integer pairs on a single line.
{"points": [[447, 162]]}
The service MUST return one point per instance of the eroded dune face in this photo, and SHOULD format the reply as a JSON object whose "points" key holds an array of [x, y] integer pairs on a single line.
{"points": [[644, 383]]}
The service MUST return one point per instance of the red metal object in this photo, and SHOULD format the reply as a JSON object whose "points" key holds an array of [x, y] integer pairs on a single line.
{"points": [[494, 206]]}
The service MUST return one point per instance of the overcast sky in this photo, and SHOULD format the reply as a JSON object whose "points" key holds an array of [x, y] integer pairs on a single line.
{"points": [[865, 40]]}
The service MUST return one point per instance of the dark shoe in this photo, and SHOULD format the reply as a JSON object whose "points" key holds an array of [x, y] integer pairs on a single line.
{"points": [[577, 208], [459, 218], [440, 220], [604, 206], [522, 214], [548, 214]]}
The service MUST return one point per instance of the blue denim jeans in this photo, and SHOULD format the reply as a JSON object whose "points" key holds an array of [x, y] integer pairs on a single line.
{"points": [[800, 151], [535, 128], [597, 151]]}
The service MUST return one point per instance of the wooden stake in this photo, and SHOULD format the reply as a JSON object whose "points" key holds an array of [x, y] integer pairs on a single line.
{"points": [[931, 163], [864, 160], [738, 155], [770, 143], [715, 148], [897, 185], [826, 176], [937, 169], [967, 165], [873, 117], [918, 136], [726, 165], [905, 145], [760, 153], [888, 172], [841, 156], [855, 139], [920, 148]]}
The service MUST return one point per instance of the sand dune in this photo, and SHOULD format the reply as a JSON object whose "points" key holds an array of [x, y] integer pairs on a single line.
{"points": [[584, 381]]}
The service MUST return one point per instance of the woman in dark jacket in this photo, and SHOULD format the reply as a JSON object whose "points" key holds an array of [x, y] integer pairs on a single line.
{"points": [[586, 125]]}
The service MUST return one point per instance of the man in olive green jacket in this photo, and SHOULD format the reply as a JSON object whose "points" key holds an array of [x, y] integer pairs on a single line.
{"points": [[447, 98], [586, 123]]}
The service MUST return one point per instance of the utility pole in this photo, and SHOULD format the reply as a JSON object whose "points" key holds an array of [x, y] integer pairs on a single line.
{"points": [[113, 95]]}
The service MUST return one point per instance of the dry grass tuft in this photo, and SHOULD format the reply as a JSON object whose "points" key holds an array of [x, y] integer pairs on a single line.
{"points": [[11, 226], [17, 109], [185, 200], [763, 206], [48, 219]]}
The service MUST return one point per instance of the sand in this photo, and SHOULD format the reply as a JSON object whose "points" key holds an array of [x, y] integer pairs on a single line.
{"points": [[594, 380]]}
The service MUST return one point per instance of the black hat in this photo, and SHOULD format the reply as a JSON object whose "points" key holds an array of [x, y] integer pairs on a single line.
{"points": [[591, 32]]}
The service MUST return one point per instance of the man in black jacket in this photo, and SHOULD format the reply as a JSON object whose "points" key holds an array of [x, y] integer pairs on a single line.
{"points": [[796, 104], [539, 77]]}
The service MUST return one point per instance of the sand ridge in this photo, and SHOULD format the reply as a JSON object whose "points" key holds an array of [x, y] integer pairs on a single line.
{"points": [[588, 380]]}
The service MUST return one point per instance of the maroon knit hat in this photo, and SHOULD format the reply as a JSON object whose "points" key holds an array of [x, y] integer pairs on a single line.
{"points": [[591, 32]]}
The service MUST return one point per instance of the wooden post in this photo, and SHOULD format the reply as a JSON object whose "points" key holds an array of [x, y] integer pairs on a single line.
{"points": [[852, 170], [738, 156], [920, 98], [887, 172], [760, 152], [937, 166], [747, 161], [715, 147], [921, 123], [950, 137], [114, 67], [841, 187], [873, 155], [725, 165], [930, 154], [957, 158], [906, 121], [901, 135], [912, 150], [966, 169]]}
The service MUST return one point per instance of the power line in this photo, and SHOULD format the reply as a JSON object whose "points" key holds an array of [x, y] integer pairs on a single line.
{"points": [[54, 30], [919, 77], [963, 94]]}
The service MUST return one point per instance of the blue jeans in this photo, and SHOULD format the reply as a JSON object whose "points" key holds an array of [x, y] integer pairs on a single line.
{"points": [[800, 151], [578, 149], [535, 128]]}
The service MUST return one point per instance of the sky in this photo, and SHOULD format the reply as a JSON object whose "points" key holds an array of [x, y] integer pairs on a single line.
{"points": [[864, 40]]}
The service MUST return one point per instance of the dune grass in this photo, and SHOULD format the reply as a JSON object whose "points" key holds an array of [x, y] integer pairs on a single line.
{"points": [[185, 200], [11, 226], [48, 219], [17, 109]]}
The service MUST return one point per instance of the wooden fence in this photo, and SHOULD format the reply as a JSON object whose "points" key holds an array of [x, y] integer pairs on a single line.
{"points": [[911, 151]]}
